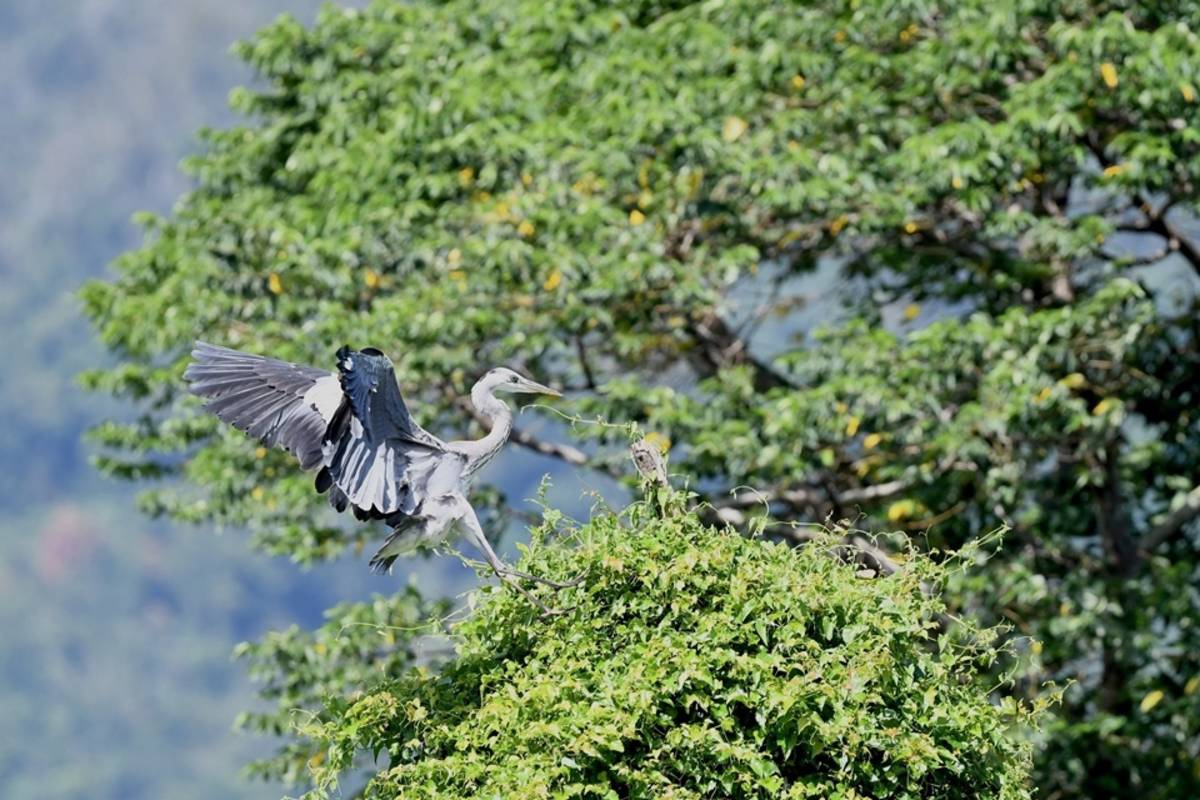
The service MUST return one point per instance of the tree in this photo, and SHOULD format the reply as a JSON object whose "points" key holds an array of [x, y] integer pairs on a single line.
{"points": [[593, 190]]}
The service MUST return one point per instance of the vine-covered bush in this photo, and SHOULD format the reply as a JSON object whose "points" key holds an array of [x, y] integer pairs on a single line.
{"points": [[693, 662]]}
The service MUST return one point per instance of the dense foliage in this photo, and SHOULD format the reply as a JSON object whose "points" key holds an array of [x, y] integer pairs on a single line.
{"points": [[695, 663], [594, 190]]}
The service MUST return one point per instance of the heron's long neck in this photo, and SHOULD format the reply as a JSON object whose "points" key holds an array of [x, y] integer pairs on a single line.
{"points": [[500, 416]]}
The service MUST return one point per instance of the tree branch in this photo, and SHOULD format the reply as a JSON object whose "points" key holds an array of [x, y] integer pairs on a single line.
{"points": [[732, 509], [1173, 523], [572, 455], [720, 347]]}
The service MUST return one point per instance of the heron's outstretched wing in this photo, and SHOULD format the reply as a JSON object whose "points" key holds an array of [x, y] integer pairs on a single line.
{"points": [[378, 460], [271, 400]]}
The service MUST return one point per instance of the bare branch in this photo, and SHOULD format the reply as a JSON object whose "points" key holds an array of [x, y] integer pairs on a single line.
{"points": [[721, 347], [572, 455], [817, 501], [588, 376], [1173, 523]]}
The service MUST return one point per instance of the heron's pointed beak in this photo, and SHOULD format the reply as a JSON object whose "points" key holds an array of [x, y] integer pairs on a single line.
{"points": [[533, 387]]}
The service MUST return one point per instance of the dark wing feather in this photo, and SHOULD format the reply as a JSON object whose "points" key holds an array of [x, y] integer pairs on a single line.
{"points": [[271, 400], [369, 383], [377, 459]]}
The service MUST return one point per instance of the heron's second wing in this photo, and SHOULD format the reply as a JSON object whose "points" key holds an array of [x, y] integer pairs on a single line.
{"points": [[273, 401], [384, 478], [374, 398]]}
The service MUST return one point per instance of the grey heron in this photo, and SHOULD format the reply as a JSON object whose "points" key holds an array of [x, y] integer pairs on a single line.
{"points": [[355, 429]]}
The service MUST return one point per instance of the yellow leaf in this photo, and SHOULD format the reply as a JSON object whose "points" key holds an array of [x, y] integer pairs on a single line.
{"points": [[454, 256], [1073, 381], [956, 182], [372, 279], [900, 510], [1192, 686], [466, 176], [852, 426], [1044, 394], [1113, 170], [1109, 73], [274, 283], [553, 281], [733, 128], [839, 36], [1151, 700], [526, 179], [644, 174], [316, 759], [458, 276], [793, 146], [912, 311], [798, 81], [526, 228], [836, 226], [260, 452], [319, 648], [257, 493], [658, 440], [1189, 94], [1036, 647], [841, 407], [636, 217], [1103, 407], [911, 227], [871, 441]]}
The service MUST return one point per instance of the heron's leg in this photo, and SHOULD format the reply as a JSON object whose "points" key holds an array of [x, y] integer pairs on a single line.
{"points": [[504, 571]]}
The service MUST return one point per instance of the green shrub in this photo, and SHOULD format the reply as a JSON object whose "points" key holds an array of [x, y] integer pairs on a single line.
{"points": [[693, 663]]}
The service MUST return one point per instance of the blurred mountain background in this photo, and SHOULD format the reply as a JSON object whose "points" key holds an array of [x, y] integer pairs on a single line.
{"points": [[115, 671]]}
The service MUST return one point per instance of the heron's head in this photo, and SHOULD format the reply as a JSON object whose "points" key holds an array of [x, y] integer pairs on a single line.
{"points": [[503, 379]]}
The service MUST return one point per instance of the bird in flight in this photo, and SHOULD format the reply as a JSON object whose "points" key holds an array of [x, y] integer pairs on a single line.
{"points": [[354, 428]]}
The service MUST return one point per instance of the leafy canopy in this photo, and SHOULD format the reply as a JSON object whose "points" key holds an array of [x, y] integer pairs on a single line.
{"points": [[695, 663]]}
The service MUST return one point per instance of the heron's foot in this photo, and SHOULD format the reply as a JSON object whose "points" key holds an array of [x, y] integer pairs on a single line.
{"points": [[546, 610], [578, 579]]}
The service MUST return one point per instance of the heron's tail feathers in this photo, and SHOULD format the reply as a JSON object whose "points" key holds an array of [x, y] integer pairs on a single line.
{"points": [[404, 539], [382, 565]]}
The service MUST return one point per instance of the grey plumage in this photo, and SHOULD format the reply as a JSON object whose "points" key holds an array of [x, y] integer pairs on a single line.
{"points": [[275, 402], [354, 427]]}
